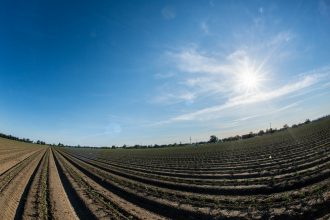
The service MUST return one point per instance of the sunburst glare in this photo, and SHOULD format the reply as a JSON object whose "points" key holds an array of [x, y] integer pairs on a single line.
{"points": [[248, 81]]}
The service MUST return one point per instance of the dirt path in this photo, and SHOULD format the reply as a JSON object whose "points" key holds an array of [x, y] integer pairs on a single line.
{"points": [[60, 207], [11, 197]]}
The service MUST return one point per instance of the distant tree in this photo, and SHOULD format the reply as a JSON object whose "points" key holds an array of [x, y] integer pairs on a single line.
{"points": [[124, 146], [42, 143], [261, 132], [294, 126], [113, 147], [38, 141], [213, 139], [175, 144], [237, 137], [136, 146], [285, 126], [307, 121]]}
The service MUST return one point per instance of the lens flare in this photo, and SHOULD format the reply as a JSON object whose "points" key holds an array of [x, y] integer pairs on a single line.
{"points": [[249, 82]]}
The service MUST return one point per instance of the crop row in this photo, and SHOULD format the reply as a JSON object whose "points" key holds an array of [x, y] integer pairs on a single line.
{"points": [[91, 192], [8, 176], [202, 199]]}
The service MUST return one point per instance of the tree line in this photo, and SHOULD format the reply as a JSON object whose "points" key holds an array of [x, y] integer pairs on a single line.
{"points": [[213, 139]]}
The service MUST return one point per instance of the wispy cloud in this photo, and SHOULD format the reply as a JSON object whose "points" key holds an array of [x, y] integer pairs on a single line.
{"points": [[163, 76], [204, 73], [204, 27], [199, 73], [324, 8], [192, 62], [170, 98], [327, 84], [168, 12], [288, 106], [246, 99], [282, 36]]}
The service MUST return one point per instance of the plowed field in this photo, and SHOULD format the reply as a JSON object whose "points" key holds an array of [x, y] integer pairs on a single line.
{"points": [[285, 175]]}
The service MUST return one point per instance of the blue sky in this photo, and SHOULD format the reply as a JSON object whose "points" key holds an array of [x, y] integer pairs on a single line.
{"points": [[157, 72]]}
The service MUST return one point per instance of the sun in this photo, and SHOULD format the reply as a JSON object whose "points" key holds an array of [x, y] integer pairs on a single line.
{"points": [[249, 82], [248, 77]]}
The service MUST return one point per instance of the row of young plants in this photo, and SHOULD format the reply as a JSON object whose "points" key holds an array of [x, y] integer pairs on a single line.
{"points": [[43, 190], [6, 179], [298, 178], [247, 161], [179, 196], [92, 192], [233, 158], [15, 156], [265, 186], [140, 195], [11, 151], [240, 151], [255, 163], [293, 171]]}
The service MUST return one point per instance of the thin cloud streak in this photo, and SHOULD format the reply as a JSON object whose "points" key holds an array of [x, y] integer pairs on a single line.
{"points": [[192, 62], [289, 106], [327, 84], [162, 76]]}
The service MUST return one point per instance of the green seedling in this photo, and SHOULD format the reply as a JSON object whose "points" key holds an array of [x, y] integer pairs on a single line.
{"points": [[318, 189], [285, 198], [234, 202]]}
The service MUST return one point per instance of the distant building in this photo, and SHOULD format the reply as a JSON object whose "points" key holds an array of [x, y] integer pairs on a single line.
{"points": [[245, 136]]}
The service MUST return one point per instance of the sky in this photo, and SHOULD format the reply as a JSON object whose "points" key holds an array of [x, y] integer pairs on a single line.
{"points": [[103, 73]]}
